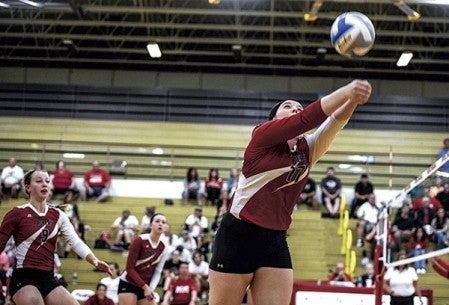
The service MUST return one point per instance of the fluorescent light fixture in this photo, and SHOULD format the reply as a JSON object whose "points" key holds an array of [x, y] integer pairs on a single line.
{"points": [[356, 169], [32, 3], [344, 166], [73, 156], [5, 5], [404, 59], [158, 151], [153, 50]]}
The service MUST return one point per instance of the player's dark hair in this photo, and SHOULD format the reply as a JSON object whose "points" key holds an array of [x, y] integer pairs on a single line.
{"points": [[273, 111]]}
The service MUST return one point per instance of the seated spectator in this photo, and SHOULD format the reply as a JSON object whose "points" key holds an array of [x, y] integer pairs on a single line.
{"points": [[171, 269], [62, 181], [308, 195], [196, 223], [188, 246], [11, 179], [367, 279], [70, 207], [424, 215], [434, 202], [368, 217], [170, 239], [440, 229], [418, 245], [182, 290], [442, 153], [443, 196], [192, 187], [203, 246], [99, 298], [436, 187], [231, 184], [213, 185], [403, 226], [330, 192], [126, 226], [96, 183], [339, 274], [111, 282], [200, 273], [362, 190], [145, 222]]}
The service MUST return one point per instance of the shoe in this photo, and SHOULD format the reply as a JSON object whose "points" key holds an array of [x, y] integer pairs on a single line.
{"points": [[359, 243], [423, 271]]}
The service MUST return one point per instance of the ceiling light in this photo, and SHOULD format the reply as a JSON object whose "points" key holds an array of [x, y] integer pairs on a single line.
{"points": [[32, 3], [5, 5], [153, 50], [158, 151], [404, 59], [214, 2], [73, 156]]}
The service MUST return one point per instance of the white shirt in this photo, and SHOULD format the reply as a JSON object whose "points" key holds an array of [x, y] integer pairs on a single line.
{"points": [[112, 284], [145, 223], [12, 175], [202, 268], [198, 224], [401, 282], [130, 223], [368, 212]]}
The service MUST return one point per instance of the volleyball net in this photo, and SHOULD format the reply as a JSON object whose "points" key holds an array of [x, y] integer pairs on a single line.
{"points": [[382, 253]]}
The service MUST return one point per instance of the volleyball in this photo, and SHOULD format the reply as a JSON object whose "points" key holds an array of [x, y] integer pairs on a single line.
{"points": [[352, 34]]}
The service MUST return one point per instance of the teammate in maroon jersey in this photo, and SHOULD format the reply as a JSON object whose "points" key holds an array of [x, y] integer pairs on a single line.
{"points": [[146, 259], [250, 246], [35, 227]]}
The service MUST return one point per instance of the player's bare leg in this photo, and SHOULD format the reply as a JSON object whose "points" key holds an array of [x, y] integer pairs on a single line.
{"points": [[227, 288], [272, 286]]}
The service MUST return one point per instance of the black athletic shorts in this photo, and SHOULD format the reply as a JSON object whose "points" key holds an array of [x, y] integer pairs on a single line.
{"points": [[242, 247], [44, 281], [125, 287]]}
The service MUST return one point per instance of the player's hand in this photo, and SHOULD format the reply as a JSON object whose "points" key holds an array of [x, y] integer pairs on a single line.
{"points": [[103, 266], [359, 91]]}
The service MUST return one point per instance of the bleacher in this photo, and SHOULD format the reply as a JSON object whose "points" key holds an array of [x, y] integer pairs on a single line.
{"points": [[156, 151]]}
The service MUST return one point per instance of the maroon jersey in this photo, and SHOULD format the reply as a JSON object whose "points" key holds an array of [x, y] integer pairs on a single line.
{"points": [[182, 290], [35, 235], [273, 175], [145, 261]]}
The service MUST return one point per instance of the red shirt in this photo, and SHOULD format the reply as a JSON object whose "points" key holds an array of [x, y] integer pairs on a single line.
{"points": [[62, 179], [97, 178], [145, 262], [272, 176], [93, 300], [182, 290]]}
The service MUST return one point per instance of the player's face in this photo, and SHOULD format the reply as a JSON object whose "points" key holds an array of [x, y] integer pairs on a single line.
{"points": [[158, 224], [288, 108], [38, 187]]}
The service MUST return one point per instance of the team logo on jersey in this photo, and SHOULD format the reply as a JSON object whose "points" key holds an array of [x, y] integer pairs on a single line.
{"points": [[297, 168]]}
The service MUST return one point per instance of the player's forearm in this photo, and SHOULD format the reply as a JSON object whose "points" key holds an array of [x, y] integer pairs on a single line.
{"points": [[330, 103]]}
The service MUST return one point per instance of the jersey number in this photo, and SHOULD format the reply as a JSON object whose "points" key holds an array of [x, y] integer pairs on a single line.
{"points": [[296, 173], [45, 233]]}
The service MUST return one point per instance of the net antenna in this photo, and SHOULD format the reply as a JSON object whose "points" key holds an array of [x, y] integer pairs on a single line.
{"points": [[382, 257]]}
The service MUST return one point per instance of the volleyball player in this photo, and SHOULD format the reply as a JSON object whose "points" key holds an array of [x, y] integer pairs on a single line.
{"points": [[250, 245], [35, 227]]}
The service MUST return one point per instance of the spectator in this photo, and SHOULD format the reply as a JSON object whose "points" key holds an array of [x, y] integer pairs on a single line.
{"points": [[440, 228], [171, 269], [112, 281], [231, 184], [70, 207], [418, 245], [182, 290], [403, 226], [35, 266], [213, 186], [362, 190], [330, 192], [62, 181], [100, 296], [308, 194], [442, 153], [96, 183], [11, 179], [434, 202], [367, 215], [339, 274], [203, 246], [126, 226], [188, 245], [145, 222], [425, 214], [146, 259], [401, 283], [192, 187], [437, 187], [367, 279], [443, 196], [196, 223], [200, 272], [170, 238]]}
